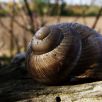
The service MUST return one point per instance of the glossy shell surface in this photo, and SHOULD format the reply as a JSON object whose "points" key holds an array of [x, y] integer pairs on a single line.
{"points": [[58, 51]]}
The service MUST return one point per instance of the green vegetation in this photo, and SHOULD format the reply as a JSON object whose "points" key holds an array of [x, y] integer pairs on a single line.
{"points": [[42, 7], [64, 10], [3, 12]]}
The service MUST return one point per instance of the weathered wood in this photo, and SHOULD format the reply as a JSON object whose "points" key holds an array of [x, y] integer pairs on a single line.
{"points": [[17, 86], [80, 93]]}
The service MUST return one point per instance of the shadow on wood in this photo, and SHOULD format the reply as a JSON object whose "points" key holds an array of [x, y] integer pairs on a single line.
{"points": [[17, 86]]}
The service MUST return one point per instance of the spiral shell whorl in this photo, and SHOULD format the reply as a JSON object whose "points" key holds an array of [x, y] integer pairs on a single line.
{"points": [[59, 60], [42, 33], [46, 39], [59, 51]]}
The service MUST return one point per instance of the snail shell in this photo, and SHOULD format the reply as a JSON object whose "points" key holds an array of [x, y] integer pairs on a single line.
{"points": [[60, 51]]}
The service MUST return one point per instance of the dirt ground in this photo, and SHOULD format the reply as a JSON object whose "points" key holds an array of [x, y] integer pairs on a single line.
{"points": [[20, 34]]}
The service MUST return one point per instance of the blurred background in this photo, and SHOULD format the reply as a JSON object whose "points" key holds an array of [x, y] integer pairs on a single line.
{"points": [[20, 19]]}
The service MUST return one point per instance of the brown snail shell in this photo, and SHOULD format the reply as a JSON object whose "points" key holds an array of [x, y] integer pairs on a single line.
{"points": [[59, 51]]}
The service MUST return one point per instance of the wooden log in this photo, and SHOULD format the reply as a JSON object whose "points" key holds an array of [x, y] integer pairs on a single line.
{"points": [[17, 86]]}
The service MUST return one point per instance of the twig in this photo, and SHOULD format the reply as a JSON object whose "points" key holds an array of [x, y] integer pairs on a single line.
{"points": [[4, 26], [12, 29], [2, 45], [21, 25], [58, 11], [30, 16], [97, 18]]}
